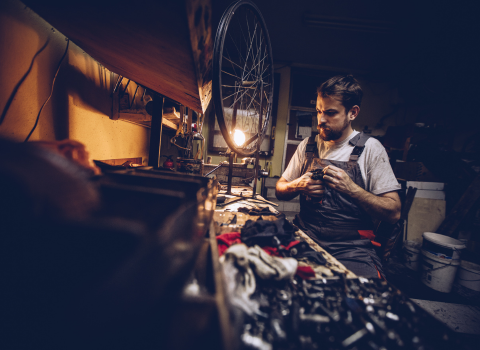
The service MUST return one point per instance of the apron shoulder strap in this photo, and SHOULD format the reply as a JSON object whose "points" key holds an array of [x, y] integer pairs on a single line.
{"points": [[311, 151], [358, 141]]}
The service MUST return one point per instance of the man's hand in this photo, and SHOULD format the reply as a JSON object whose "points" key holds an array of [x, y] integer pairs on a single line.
{"points": [[310, 187], [385, 207], [305, 184], [338, 179]]}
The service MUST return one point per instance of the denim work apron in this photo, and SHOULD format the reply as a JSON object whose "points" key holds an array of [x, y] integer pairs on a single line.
{"points": [[340, 226]]}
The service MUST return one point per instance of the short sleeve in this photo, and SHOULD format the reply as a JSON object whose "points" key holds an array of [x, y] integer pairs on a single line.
{"points": [[294, 168], [379, 174]]}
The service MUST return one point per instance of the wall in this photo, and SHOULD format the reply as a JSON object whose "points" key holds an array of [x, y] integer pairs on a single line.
{"points": [[80, 105]]}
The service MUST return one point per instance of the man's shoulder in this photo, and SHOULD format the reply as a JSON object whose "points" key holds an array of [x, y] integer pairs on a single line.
{"points": [[373, 152], [373, 144], [303, 144]]}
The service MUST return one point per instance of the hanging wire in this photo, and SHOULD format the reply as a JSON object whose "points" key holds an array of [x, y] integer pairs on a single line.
{"points": [[15, 89], [117, 84], [51, 92]]}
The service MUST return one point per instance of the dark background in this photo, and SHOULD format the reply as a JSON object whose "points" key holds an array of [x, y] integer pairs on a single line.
{"points": [[429, 51]]}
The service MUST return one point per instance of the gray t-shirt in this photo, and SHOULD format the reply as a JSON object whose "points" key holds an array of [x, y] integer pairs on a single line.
{"points": [[374, 165]]}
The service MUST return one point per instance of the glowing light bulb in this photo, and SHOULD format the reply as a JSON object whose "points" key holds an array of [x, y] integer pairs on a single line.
{"points": [[239, 137]]}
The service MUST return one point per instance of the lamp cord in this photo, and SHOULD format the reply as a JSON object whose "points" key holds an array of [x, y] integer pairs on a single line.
{"points": [[15, 89], [51, 92]]}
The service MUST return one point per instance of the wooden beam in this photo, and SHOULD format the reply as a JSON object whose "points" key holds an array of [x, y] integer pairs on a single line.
{"points": [[145, 119], [146, 41]]}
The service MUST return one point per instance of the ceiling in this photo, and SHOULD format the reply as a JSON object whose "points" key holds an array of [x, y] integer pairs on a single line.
{"points": [[427, 52]]}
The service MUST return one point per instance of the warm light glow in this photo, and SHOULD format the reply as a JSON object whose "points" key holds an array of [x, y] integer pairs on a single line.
{"points": [[239, 137]]}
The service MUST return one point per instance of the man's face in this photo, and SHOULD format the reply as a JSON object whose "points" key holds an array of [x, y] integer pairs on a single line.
{"points": [[332, 118]]}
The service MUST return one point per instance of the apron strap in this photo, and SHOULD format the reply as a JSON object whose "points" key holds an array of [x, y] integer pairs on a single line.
{"points": [[358, 141], [311, 151]]}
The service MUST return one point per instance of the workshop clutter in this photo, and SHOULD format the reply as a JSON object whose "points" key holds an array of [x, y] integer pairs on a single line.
{"points": [[281, 304], [339, 313], [190, 166], [276, 238]]}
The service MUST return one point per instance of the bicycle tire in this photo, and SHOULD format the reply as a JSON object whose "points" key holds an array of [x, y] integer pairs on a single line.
{"points": [[260, 68]]}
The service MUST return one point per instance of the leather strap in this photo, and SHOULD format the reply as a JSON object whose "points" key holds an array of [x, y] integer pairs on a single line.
{"points": [[358, 141]]}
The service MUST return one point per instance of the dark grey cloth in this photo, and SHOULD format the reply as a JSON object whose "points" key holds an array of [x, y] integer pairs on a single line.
{"points": [[261, 232]]}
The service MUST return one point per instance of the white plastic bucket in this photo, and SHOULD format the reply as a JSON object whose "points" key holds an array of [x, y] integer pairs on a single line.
{"points": [[438, 273], [469, 275], [442, 246], [411, 254]]}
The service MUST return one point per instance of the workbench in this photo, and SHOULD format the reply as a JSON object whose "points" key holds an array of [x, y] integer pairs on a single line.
{"points": [[227, 212], [342, 311]]}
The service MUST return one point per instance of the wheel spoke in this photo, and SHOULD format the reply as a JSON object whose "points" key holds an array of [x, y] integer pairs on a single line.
{"points": [[249, 49], [229, 96], [241, 96], [231, 74], [231, 62], [256, 66], [239, 52]]}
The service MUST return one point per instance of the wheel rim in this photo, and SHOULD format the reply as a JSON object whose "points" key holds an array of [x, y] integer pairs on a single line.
{"points": [[242, 67]]}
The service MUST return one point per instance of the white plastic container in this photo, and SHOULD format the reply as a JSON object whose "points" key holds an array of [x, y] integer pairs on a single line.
{"points": [[469, 275], [442, 246], [411, 254], [437, 272]]}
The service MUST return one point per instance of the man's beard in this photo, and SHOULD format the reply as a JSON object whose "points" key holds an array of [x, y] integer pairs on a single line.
{"points": [[329, 134]]}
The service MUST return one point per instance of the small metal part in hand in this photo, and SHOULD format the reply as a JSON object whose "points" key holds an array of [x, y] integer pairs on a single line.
{"points": [[317, 174]]}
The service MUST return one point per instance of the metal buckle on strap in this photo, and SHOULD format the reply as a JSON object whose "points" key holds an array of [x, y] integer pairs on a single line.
{"points": [[353, 157]]}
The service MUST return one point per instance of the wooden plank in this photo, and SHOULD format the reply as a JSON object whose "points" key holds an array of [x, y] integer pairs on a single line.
{"points": [[171, 114], [135, 116], [220, 297], [461, 209], [121, 161], [147, 41], [169, 124], [145, 119], [335, 265]]}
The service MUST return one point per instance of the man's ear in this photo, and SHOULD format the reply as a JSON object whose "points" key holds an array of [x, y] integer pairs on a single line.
{"points": [[353, 112]]}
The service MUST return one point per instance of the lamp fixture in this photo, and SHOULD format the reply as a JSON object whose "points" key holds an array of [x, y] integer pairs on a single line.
{"points": [[239, 137]]}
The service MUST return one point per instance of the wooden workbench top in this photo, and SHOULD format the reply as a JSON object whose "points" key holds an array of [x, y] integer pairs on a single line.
{"points": [[227, 219]]}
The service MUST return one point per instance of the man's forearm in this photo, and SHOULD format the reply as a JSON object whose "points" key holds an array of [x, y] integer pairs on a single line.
{"points": [[378, 207], [286, 191]]}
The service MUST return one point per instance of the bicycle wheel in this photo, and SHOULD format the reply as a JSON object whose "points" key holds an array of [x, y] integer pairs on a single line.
{"points": [[242, 76]]}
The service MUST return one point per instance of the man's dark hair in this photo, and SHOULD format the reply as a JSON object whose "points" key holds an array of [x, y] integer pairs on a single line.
{"points": [[344, 88]]}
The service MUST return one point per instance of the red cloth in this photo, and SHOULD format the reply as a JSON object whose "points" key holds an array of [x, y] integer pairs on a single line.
{"points": [[305, 272], [274, 251], [226, 240], [368, 234]]}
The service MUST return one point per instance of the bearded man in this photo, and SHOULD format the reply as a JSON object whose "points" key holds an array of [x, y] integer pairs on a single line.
{"points": [[357, 185]]}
